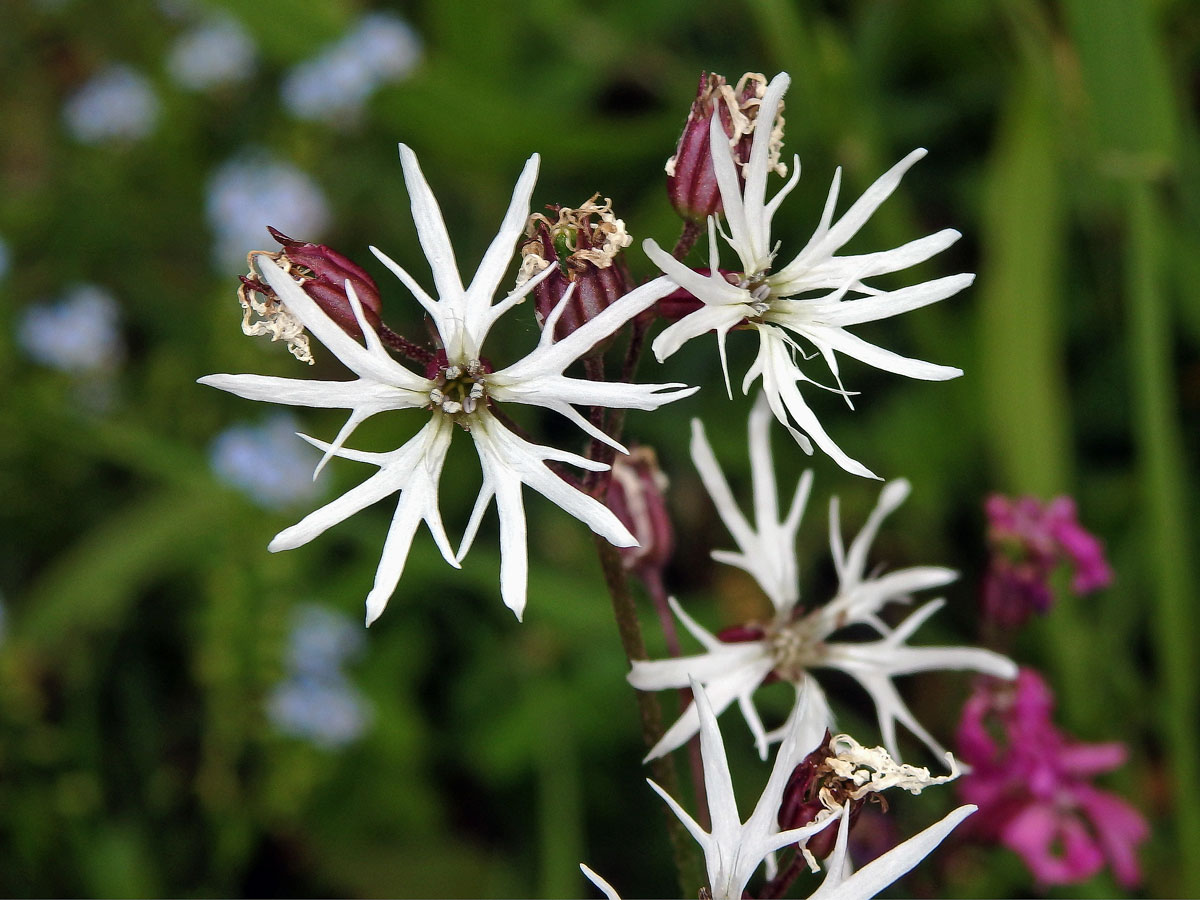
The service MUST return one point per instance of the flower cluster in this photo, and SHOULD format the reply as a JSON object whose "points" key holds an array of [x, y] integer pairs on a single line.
{"points": [[1032, 784], [1029, 540], [573, 266]]}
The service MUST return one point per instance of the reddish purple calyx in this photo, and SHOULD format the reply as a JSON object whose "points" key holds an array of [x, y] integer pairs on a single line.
{"points": [[637, 496], [323, 273]]}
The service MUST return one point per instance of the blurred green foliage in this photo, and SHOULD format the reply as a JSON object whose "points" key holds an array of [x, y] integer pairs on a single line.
{"points": [[145, 623]]}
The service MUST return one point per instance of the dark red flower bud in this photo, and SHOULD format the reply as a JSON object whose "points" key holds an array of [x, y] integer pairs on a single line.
{"points": [[691, 179], [636, 495], [322, 273], [584, 245]]}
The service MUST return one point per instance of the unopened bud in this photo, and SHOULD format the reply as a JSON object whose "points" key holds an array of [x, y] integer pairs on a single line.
{"points": [[321, 273], [637, 496], [585, 245], [691, 179]]}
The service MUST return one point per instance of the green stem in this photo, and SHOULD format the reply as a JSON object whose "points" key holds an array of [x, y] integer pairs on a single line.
{"points": [[1165, 482], [629, 628]]}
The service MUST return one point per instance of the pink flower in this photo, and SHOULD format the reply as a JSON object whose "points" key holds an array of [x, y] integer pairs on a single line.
{"points": [[1033, 790], [1028, 541]]}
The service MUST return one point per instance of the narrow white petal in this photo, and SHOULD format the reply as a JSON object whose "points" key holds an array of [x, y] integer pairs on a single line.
{"points": [[894, 493], [553, 358], [718, 783], [779, 375], [756, 175], [892, 303], [357, 358], [514, 553], [609, 892], [773, 206], [694, 829], [431, 305], [862, 209], [714, 482], [708, 318], [384, 482], [361, 392], [843, 341], [495, 261], [731, 193], [885, 870], [431, 232], [711, 288]]}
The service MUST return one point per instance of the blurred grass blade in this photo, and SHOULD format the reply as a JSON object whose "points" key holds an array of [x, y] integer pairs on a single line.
{"points": [[1021, 346]]}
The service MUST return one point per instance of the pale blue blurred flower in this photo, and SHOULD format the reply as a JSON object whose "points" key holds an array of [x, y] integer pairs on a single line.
{"points": [[331, 87], [79, 334], [322, 640], [267, 462], [387, 44], [334, 85], [116, 104], [247, 194], [5, 258], [218, 53], [329, 711]]}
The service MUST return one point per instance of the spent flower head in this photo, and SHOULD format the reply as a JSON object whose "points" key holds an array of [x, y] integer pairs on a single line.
{"points": [[691, 179], [459, 389]]}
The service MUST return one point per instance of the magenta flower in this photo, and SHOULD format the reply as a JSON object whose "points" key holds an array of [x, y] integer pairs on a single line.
{"points": [[1033, 790], [1029, 540]]}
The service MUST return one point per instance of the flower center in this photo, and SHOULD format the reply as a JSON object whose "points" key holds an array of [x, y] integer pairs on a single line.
{"points": [[760, 291], [796, 648], [459, 390]]}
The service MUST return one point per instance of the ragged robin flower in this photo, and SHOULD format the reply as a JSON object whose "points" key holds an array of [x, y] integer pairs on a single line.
{"points": [[459, 390], [809, 301], [794, 643]]}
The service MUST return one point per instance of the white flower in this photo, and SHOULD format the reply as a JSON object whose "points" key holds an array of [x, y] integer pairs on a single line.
{"points": [[461, 393], [814, 297], [793, 644], [734, 850]]}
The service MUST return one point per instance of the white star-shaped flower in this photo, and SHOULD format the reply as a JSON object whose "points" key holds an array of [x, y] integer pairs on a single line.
{"points": [[814, 297], [461, 393], [794, 643], [733, 849]]}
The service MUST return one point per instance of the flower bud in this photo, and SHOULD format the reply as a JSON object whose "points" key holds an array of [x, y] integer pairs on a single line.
{"points": [[584, 244], [636, 495], [322, 273], [691, 179]]}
